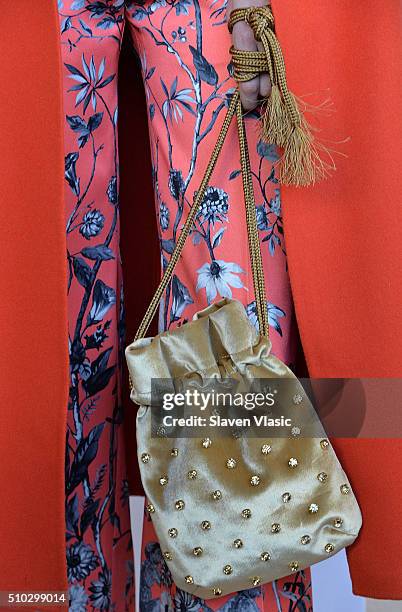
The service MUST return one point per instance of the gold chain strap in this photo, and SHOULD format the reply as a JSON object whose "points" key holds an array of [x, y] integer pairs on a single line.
{"points": [[251, 222]]}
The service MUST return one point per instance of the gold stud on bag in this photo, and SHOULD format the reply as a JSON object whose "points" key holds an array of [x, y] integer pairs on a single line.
{"points": [[234, 512]]}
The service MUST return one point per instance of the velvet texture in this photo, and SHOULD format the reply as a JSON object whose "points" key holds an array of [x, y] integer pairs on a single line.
{"points": [[222, 344]]}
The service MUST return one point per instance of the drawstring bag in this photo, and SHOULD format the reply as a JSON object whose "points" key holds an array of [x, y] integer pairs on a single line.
{"points": [[233, 512]]}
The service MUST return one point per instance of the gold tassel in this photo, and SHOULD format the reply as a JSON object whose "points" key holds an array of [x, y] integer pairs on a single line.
{"points": [[297, 165], [305, 159], [275, 124]]}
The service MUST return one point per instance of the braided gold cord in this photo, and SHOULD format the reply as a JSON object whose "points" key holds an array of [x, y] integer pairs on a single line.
{"points": [[304, 159], [252, 229], [248, 64], [280, 73], [251, 223], [259, 17], [142, 330], [301, 163]]}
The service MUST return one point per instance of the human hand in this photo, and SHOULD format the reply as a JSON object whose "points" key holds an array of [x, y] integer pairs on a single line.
{"points": [[243, 39]]}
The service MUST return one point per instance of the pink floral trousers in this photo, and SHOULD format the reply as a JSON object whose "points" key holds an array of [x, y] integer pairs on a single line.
{"points": [[183, 47]]}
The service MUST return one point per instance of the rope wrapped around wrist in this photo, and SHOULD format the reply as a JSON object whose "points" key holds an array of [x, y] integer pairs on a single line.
{"points": [[283, 122]]}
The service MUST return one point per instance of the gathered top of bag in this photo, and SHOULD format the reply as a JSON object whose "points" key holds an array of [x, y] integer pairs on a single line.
{"points": [[219, 332]]}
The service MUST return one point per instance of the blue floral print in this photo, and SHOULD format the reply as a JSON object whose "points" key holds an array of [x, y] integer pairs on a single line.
{"points": [[191, 97], [99, 558]]}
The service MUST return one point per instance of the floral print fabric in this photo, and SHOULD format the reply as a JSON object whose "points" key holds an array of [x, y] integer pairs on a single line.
{"points": [[98, 539], [183, 48]]}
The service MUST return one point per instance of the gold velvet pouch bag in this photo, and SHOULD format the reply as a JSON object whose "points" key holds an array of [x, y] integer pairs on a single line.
{"points": [[234, 512]]}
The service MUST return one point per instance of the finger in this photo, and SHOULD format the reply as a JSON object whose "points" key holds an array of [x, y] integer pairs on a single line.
{"points": [[243, 39], [265, 81], [250, 91]]}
